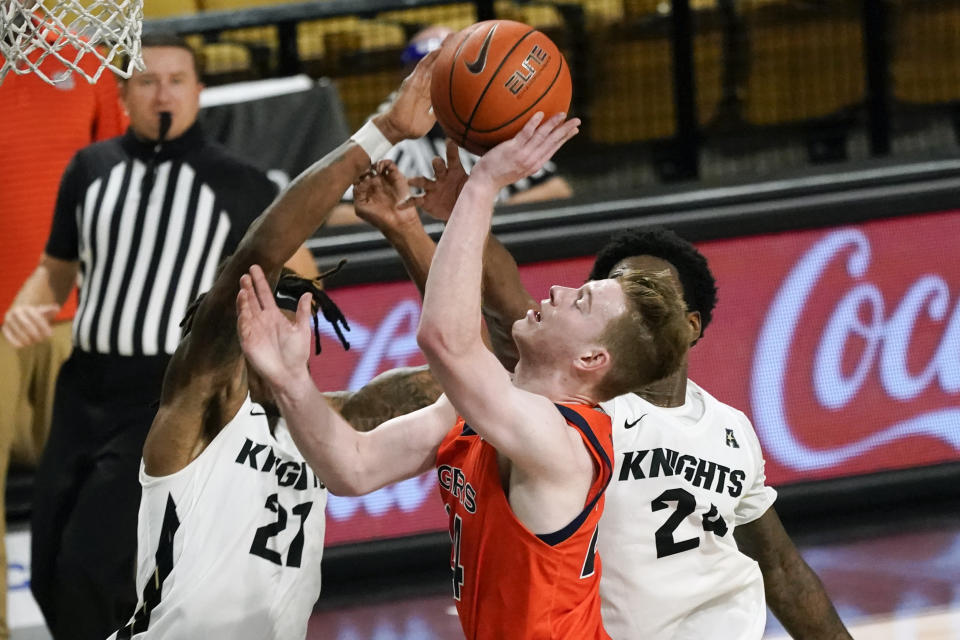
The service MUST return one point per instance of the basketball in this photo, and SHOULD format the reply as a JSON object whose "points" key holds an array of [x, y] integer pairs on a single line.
{"points": [[490, 78]]}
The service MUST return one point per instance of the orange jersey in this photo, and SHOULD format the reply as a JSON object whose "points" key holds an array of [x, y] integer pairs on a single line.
{"points": [[41, 127], [507, 581]]}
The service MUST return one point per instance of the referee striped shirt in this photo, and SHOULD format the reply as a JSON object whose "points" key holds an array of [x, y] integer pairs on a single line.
{"points": [[149, 226]]}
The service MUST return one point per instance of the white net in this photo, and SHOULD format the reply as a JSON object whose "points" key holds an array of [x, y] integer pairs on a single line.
{"points": [[31, 31]]}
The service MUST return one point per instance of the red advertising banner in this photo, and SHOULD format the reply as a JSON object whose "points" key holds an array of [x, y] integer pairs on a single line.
{"points": [[842, 346]]}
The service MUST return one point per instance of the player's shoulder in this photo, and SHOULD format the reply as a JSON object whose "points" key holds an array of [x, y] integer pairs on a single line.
{"points": [[95, 160], [732, 422], [717, 406], [625, 405]]}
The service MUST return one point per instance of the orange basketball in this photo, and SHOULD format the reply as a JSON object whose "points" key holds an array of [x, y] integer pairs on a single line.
{"points": [[490, 78]]}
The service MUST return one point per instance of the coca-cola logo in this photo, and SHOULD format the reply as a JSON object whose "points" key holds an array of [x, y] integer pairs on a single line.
{"points": [[883, 335]]}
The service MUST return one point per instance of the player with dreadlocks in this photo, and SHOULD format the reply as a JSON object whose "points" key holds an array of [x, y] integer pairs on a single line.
{"points": [[231, 522]]}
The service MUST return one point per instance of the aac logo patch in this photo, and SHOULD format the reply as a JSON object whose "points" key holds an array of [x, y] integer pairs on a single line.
{"points": [[731, 440]]}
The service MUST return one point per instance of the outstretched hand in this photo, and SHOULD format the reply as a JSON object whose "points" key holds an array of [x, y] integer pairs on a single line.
{"points": [[381, 198], [440, 194], [527, 152], [276, 347], [410, 114]]}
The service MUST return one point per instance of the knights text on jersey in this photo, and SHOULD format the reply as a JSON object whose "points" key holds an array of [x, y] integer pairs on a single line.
{"points": [[672, 569], [230, 546], [507, 581]]}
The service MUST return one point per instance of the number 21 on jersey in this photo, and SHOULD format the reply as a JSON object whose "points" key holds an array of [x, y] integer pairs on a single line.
{"points": [[261, 540]]}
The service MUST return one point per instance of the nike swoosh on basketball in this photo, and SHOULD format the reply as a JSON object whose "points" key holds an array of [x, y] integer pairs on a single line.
{"points": [[477, 65], [629, 425]]}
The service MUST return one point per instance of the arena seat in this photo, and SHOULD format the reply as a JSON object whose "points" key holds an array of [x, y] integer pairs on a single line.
{"points": [[600, 13], [227, 62], [262, 39], [642, 8], [925, 52], [221, 61], [330, 39], [543, 17], [455, 16], [167, 8], [632, 95], [804, 64]]}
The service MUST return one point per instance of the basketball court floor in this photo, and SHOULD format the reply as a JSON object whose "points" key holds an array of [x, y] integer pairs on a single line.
{"points": [[896, 577], [892, 576]]}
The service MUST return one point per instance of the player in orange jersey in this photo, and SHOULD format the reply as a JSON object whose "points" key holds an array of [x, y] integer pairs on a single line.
{"points": [[522, 462]]}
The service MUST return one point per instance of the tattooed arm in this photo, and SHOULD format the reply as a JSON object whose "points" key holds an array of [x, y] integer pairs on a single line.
{"points": [[392, 393]]}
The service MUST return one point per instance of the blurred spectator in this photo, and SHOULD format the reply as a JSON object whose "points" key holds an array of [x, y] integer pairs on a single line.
{"points": [[415, 157], [41, 126]]}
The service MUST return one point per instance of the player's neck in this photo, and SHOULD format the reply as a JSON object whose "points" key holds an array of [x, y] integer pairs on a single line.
{"points": [[667, 392], [551, 384]]}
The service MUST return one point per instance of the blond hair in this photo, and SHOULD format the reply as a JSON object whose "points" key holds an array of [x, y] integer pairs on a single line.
{"points": [[649, 340]]}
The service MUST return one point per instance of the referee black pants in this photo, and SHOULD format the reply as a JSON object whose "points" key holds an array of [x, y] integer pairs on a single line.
{"points": [[87, 494]]}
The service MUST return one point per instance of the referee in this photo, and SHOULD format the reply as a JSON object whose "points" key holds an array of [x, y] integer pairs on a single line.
{"points": [[143, 220]]}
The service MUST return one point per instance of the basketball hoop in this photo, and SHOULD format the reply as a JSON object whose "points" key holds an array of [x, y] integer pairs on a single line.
{"points": [[33, 30]]}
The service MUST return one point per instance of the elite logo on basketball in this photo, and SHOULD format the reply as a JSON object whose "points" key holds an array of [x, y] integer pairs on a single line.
{"points": [[534, 61]]}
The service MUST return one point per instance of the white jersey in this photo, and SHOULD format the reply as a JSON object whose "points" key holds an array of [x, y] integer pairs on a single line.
{"points": [[683, 479], [230, 546]]}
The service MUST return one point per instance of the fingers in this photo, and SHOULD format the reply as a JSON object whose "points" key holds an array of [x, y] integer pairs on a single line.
{"points": [[565, 130], [421, 182], [526, 134], [543, 132], [419, 78], [559, 136], [395, 178], [453, 155], [362, 186], [49, 311], [37, 324], [29, 324], [425, 66], [548, 138], [304, 311], [262, 289], [244, 313], [439, 168], [246, 298], [14, 336]]}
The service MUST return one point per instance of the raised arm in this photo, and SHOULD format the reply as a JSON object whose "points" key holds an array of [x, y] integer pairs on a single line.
{"points": [[382, 201], [350, 462], [204, 381], [505, 300], [450, 328]]}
